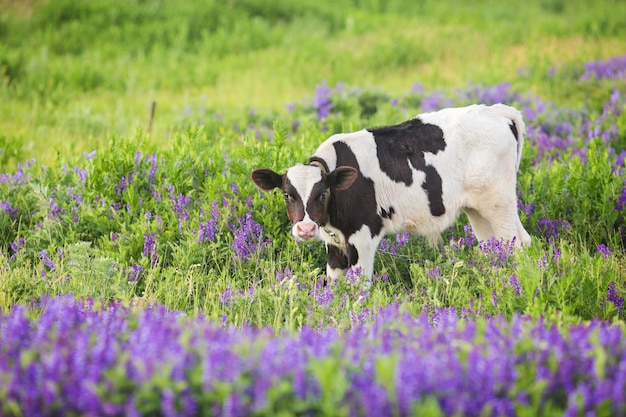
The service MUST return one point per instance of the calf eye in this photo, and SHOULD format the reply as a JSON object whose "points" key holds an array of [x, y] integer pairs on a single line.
{"points": [[322, 197], [287, 196]]}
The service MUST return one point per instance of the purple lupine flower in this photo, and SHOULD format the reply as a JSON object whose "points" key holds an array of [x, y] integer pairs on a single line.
{"points": [[17, 245], [612, 296], [181, 204], [403, 239], [324, 297], [500, 93], [151, 159], [6, 207], [604, 250], [354, 274], [285, 275], [434, 273], [150, 248], [215, 210], [55, 211], [552, 228], [226, 296], [47, 261], [621, 200], [80, 173], [435, 101], [494, 298], [322, 100], [125, 182], [467, 240], [207, 231], [417, 88], [498, 250], [613, 68], [135, 273], [515, 284], [528, 209], [248, 237]]}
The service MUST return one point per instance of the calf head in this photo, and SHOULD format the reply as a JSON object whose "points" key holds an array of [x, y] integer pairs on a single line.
{"points": [[307, 190]]}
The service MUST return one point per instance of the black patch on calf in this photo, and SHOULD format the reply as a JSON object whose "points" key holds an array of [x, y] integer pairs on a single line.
{"points": [[398, 145], [387, 214], [350, 209], [514, 130], [338, 259]]}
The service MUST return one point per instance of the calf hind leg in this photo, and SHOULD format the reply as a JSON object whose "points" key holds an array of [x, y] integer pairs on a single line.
{"points": [[501, 222], [481, 227]]}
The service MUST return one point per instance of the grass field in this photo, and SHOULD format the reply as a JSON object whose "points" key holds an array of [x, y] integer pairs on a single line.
{"points": [[142, 272]]}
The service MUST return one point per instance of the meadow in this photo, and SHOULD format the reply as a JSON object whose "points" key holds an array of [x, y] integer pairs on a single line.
{"points": [[142, 272]]}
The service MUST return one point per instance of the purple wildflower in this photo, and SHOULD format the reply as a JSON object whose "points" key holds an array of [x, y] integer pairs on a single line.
{"points": [[467, 240], [613, 68], [226, 296], [150, 248], [435, 101], [551, 228], [434, 273], [55, 211], [322, 100], [17, 245], [354, 274], [498, 250], [135, 273], [621, 200], [494, 298], [324, 297], [611, 295], [181, 204], [6, 207], [285, 275], [604, 250], [48, 263], [151, 159], [403, 239], [207, 230], [125, 182], [515, 284], [528, 209], [248, 237]]}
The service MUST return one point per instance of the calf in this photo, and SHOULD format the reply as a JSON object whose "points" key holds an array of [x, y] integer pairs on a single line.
{"points": [[417, 176]]}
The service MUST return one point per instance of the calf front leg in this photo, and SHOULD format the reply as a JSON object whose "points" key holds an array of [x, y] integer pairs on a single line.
{"points": [[339, 260], [359, 254]]}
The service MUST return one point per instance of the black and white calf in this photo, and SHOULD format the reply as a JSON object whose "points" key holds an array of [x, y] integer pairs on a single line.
{"points": [[417, 176]]}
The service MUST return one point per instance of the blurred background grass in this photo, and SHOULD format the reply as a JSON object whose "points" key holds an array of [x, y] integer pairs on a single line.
{"points": [[75, 72]]}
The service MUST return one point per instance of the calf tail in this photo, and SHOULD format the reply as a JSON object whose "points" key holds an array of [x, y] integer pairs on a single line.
{"points": [[517, 126], [520, 127]]}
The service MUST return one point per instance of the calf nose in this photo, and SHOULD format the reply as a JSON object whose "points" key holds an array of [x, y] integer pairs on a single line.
{"points": [[306, 230]]}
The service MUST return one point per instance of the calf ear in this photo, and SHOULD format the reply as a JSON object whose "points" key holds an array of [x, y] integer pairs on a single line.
{"points": [[266, 179], [341, 178]]}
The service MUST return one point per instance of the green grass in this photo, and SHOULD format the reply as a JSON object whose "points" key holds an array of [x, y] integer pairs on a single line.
{"points": [[77, 72]]}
